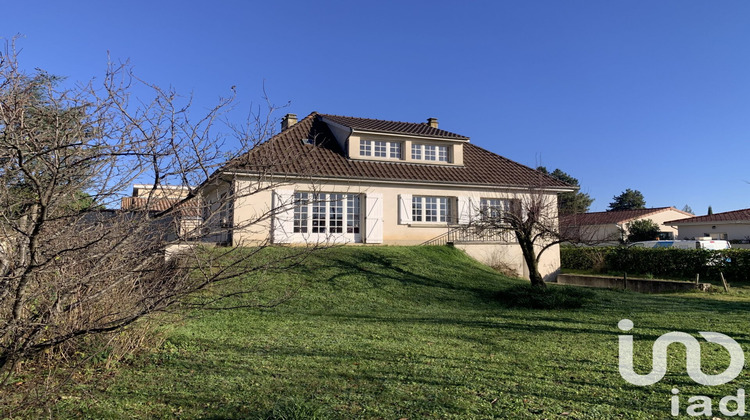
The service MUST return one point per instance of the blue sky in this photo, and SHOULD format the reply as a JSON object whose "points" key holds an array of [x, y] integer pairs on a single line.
{"points": [[653, 96]]}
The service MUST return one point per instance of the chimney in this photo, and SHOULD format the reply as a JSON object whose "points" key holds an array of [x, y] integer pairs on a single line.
{"points": [[432, 122], [288, 121]]}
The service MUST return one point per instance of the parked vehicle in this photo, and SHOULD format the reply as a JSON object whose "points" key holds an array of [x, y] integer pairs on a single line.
{"points": [[697, 243]]}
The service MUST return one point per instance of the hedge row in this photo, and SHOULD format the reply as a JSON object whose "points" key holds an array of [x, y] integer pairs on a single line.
{"points": [[661, 262]]}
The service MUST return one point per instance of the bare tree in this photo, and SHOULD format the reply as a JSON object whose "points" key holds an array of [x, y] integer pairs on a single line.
{"points": [[532, 217], [72, 263]]}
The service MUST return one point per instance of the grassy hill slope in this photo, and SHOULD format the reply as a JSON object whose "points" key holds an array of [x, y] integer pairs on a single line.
{"points": [[414, 332]]}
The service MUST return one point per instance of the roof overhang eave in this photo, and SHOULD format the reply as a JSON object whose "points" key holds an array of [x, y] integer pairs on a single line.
{"points": [[297, 177], [709, 222], [416, 136]]}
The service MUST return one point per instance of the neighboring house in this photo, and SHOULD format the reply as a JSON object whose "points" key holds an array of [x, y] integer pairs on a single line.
{"points": [[187, 218], [610, 227], [353, 180], [731, 225]]}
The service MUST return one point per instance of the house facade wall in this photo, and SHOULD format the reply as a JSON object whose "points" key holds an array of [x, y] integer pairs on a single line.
{"points": [[383, 201], [161, 191], [611, 233], [509, 256], [733, 231], [665, 216], [217, 212]]}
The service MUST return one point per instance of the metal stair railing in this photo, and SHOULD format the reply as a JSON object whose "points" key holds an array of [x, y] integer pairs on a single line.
{"points": [[472, 234], [443, 239]]}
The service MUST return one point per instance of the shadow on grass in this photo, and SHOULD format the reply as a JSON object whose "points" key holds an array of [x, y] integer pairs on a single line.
{"points": [[531, 297], [421, 333], [376, 268]]}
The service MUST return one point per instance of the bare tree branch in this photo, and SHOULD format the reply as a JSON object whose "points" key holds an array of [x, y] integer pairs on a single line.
{"points": [[74, 261]]}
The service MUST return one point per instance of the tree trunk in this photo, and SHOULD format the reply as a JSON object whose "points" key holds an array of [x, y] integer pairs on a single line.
{"points": [[527, 248]]}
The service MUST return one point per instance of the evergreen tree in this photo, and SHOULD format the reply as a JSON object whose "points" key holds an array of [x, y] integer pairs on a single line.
{"points": [[628, 200], [569, 202]]}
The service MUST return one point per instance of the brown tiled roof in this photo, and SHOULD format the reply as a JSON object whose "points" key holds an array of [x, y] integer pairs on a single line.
{"points": [[159, 204], [611, 217], [729, 216], [287, 154], [143, 203], [392, 127]]}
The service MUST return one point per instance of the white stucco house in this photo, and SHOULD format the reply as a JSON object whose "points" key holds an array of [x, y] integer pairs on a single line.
{"points": [[336, 179], [611, 227], [730, 225]]}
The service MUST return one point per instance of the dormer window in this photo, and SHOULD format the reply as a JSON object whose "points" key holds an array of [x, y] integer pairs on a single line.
{"points": [[416, 151], [365, 148], [395, 150], [389, 141], [381, 149], [429, 152], [442, 153]]}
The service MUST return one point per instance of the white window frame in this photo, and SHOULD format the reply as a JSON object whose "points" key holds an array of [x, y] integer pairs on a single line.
{"points": [[494, 208], [416, 151], [381, 149], [395, 149], [301, 212], [339, 216], [429, 209], [365, 147], [430, 152], [442, 153]]}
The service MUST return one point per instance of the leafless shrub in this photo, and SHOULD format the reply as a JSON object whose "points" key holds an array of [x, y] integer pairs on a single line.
{"points": [[598, 261], [75, 269], [499, 262], [503, 268]]}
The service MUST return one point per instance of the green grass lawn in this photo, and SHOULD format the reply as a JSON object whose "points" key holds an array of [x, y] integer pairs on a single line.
{"points": [[416, 332]]}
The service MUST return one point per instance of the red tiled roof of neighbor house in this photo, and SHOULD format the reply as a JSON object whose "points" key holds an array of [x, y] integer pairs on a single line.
{"points": [[290, 153], [392, 127], [729, 216], [612, 217]]}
